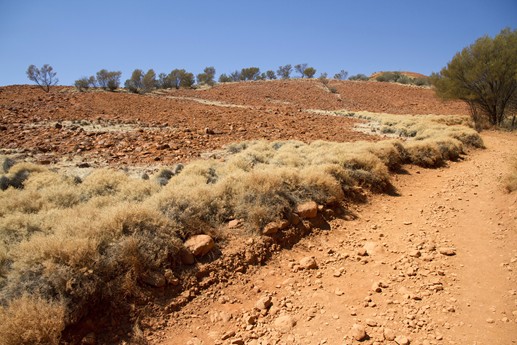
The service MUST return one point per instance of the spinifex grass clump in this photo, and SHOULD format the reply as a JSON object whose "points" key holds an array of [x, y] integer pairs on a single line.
{"points": [[72, 244]]}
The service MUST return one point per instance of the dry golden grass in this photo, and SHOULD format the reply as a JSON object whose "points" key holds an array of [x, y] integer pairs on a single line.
{"points": [[87, 242], [29, 321]]}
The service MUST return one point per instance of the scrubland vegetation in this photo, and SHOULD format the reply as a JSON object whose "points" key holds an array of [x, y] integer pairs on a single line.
{"points": [[67, 245]]}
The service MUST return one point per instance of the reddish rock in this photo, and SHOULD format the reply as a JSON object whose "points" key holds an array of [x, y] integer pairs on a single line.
{"points": [[199, 245], [307, 210]]}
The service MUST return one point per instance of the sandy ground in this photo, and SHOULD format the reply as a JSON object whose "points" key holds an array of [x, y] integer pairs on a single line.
{"points": [[435, 264]]}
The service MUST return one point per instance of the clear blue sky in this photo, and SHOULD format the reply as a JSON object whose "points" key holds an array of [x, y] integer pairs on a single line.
{"points": [[78, 38]]}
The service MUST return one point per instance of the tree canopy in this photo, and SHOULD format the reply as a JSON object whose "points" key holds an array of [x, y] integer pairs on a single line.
{"points": [[44, 77], [484, 75]]}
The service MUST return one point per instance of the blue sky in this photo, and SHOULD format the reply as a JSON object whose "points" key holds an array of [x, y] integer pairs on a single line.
{"points": [[78, 38]]}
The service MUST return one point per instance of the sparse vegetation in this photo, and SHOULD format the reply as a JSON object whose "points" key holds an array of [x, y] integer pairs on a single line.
{"points": [[108, 80], [71, 244], [284, 72], [44, 77], [180, 78], [270, 75], [134, 84], [250, 73], [82, 84], [359, 77], [309, 72], [341, 75], [207, 77], [300, 68]]}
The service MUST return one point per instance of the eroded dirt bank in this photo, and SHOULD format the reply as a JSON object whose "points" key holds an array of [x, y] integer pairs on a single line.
{"points": [[433, 265]]}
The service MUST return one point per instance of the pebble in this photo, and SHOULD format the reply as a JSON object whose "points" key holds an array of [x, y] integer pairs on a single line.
{"points": [[401, 340], [389, 334], [358, 332], [448, 251], [308, 262], [284, 323], [264, 303]]}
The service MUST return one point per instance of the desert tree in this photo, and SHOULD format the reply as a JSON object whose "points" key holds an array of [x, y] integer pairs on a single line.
{"points": [[300, 68], [163, 81], [207, 77], [44, 77], [484, 75], [309, 72], [341, 75], [270, 74], [82, 84], [250, 73], [135, 84], [92, 81], [236, 76], [108, 80], [284, 72], [224, 78], [181, 78], [149, 81]]}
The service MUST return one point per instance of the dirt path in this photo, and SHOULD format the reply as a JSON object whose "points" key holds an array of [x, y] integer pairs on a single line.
{"points": [[435, 265]]}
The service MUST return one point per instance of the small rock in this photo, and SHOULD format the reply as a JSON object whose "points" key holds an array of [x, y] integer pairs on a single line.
{"points": [[308, 262], [264, 303], [237, 341], [415, 253], [448, 251], [376, 287], [228, 335], [489, 320], [234, 223], [389, 334], [401, 340], [307, 210], [358, 332], [273, 227], [371, 322], [250, 319], [284, 323], [199, 245]]}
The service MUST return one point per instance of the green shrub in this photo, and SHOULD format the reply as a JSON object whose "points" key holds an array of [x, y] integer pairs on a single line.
{"points": [[359, 77]]}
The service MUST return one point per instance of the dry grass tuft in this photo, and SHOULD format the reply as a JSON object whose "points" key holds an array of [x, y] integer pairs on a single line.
{"points": [[28, 320]]}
